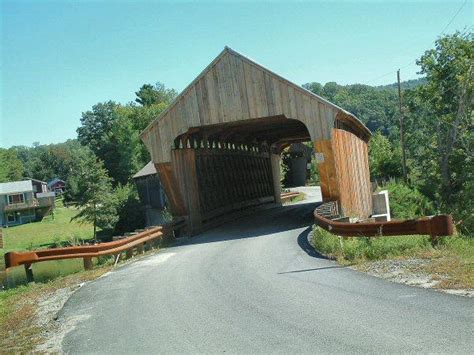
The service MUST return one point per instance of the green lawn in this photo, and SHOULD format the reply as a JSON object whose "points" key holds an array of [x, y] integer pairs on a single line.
{"points": [[54, 230]]}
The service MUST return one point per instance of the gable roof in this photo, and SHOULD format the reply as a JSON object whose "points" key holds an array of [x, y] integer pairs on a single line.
{"points": [[148, 169], [54, 181], [16, 187], [235, 88], [233, 52]]}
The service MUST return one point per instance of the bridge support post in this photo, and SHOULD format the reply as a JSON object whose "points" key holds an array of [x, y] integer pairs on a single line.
{"points": [[184, 167], [275, 163], [170, 185]]}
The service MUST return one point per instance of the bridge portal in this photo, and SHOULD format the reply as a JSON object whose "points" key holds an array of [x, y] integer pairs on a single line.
{"points": [[217, 147]]}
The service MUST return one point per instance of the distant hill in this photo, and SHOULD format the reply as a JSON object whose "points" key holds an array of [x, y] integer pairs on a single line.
{"points": [[409, 84], [375, 106]]}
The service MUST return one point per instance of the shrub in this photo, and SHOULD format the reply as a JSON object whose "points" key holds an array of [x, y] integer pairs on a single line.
{"points": [[407, 202]]}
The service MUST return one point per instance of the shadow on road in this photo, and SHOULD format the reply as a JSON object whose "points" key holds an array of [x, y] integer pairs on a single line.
{"points": [[260, 223]]}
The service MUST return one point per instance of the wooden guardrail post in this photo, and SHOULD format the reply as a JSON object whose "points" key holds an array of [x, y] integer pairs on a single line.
{"points": [[129, 253], [88, 264], [140, 248], [29, 273]]}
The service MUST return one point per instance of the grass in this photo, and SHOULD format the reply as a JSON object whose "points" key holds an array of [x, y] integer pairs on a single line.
{"points": [[19, 329], [451, 261], [54, 230], [297, 198]]}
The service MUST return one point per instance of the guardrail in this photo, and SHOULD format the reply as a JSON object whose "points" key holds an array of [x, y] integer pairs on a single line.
{"points": [[287, 196], [87, 252], [435, 227]]}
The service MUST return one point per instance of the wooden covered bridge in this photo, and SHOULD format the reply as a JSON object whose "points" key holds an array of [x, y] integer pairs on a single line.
{"points": [[217, 147], [217, 151]]}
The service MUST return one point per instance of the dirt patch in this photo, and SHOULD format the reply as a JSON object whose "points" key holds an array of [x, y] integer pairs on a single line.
{"points": [[52, 331], [28, 318], [414, 272]]}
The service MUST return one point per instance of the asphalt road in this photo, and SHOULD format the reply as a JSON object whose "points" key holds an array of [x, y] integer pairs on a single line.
{"points": [[255, 286]]}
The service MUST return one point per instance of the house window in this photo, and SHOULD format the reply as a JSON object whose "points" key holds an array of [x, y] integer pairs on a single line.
{"points": [[11, 217], [18, 198]]}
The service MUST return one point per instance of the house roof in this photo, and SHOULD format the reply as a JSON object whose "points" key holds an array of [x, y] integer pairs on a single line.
{"points": [[147, 170], [55, 180], [15, 186]]}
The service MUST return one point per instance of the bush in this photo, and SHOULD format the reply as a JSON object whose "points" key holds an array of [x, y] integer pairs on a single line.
{"points": [[407, 202], [131, 215]]}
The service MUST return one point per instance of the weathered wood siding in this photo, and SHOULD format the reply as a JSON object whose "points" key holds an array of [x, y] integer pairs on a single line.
{"points": [[234, 88], [353, 175]]}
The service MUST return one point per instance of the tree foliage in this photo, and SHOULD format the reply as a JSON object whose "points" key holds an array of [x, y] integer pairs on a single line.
{"points": [[94, 194], [154, 94], [11, 167], [384, 158], [440, 126], [112, 131]]}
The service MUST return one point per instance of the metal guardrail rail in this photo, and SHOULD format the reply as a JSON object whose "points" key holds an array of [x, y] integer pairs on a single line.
{"points": [[435, 226], [87, 252]]}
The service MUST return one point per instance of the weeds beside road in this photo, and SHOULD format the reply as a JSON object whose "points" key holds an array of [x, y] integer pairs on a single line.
{"points": [[449, 265], [23, 322]]}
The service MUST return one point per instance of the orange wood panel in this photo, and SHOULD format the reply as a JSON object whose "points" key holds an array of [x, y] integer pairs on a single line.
{"points": [[327, 170], [169, 182], [352, 169]]}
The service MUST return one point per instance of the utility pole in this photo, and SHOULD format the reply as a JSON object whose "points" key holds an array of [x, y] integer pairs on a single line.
{"points": [[402, 140]]}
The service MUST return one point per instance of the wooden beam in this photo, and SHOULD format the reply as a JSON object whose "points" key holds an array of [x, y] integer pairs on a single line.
{"points": [[173, 193]]}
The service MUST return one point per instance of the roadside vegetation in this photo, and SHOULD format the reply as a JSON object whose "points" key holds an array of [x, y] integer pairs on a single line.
{"points": [[451, 261], [22, 327], [27, 312]]}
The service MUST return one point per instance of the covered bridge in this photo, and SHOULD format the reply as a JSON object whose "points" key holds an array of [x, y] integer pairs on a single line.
{"points": [[217, 146]]}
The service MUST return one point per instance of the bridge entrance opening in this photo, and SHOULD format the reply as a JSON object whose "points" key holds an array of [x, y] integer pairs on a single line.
{"points": [[225, 168]]}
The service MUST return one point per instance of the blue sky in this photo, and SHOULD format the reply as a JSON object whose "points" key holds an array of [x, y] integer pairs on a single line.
{"points": [[58, 58]]}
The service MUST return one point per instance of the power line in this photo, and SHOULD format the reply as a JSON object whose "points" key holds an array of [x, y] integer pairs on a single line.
{"points": [[452, 19], [414, 61]]}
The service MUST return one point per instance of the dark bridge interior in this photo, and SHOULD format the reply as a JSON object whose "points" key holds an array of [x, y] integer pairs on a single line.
{"points": [[228, 167]]}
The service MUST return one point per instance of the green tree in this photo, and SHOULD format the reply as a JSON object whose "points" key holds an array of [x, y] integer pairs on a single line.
{"points": [[448, 96], [150, 95], [129, 209], [112, 132], [11, 167], [94, 195], [384, 158]]}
